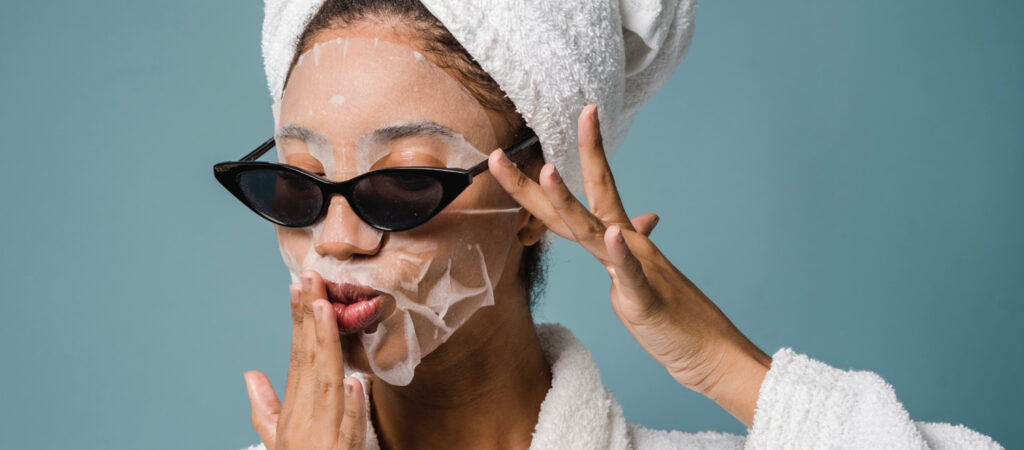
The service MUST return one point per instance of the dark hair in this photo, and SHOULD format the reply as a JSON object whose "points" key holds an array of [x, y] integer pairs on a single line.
{"points": [[450, 55]]}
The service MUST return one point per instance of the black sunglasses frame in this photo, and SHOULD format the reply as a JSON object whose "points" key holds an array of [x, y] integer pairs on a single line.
{"points": [[453, 182]]}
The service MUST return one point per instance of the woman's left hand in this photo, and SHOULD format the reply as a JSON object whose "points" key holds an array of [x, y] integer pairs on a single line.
{"points": [[666, 313]]}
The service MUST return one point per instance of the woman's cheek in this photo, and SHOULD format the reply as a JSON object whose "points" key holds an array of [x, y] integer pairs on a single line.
{"points": [[295, 246]]}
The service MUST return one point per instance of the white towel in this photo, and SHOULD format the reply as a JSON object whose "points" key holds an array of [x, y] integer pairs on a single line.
{"points": [[803, 403], [551, 57]]}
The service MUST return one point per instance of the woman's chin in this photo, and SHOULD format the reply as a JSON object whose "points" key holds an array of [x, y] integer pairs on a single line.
{"points": [[393, 353], [355, 356]]}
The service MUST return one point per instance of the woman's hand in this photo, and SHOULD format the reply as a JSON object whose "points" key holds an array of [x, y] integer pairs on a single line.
{"points": [[322, 409], [666, 313]]}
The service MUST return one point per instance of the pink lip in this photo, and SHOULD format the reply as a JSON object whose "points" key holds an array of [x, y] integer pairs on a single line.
{"points": [[349, 293], [356, 306]]}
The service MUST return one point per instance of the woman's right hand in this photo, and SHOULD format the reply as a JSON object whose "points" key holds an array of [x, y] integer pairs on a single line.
{"points": [[322, 409]]}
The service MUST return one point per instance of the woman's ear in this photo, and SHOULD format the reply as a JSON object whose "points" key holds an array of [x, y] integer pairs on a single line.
{"points": [[530, 228]]}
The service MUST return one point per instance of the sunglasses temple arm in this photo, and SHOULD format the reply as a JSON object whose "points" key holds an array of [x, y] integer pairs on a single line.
{"points": [[259, 150], [510, 153]]}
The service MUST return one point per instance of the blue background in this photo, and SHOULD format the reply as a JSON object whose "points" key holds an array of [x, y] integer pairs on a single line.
{"points": [[843, 178]]}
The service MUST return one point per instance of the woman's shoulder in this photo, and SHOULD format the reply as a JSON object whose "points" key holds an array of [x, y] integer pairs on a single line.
{"points": [[938, 436], [644, 438], [804, 402]]}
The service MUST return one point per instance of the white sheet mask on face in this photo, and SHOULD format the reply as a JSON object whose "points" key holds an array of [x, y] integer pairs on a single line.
{"points": [[356, 104]]}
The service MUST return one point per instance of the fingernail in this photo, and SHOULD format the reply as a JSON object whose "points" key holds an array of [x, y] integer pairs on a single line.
{"points": [[348, 386], [618, 233], [248, 384], [293, 292], [554, 174], [596, 121], [318, 311], [502, 159], [656, 219], [307, 283]]}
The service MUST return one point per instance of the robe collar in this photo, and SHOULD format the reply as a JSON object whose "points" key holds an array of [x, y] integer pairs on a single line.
{"points": [[577, 412]]}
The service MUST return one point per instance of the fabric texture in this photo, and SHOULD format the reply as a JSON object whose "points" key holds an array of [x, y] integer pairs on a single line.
{"points": [[803, 403], [551, 57]]}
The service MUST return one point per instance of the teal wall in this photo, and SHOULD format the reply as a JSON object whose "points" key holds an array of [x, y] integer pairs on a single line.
{"points": [[844, 178]]}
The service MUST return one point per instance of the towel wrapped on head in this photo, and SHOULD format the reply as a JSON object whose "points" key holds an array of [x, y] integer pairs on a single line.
{"points": [[551, 57]]}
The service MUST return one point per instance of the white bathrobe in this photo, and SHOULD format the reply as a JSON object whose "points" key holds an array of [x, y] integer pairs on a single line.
{"points": [[803, 404]]}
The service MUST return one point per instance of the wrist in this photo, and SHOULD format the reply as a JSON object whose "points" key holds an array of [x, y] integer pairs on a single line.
{"points": [[737, 387]]}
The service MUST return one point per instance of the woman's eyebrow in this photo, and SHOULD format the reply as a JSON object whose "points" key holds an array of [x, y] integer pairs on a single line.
{"points": [[302, 133], [371, 142], [386, 133], [403, 129]]}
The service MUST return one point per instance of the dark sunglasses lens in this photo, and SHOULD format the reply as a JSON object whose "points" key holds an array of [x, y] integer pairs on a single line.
{"points": [[397, 200], [288, 197]]}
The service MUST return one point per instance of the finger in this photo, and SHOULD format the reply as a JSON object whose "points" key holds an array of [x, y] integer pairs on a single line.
{"points": [[598, 182], [526, 192], [585, 228], [627, 273], [330, 371], [266, 408], [352, 434], [645, 223], [299, 358], [312, 289]]}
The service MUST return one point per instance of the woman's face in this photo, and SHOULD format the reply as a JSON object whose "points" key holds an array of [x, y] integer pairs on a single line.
{"points": [[355, 103]]}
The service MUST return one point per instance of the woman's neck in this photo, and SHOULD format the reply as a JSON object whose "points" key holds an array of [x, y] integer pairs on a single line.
{"points": [[482, 389]]}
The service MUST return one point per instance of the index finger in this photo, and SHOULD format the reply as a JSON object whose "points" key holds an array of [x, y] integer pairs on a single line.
{"points": [[330, 370], [526, 192], [297, 359], [598, 182]]}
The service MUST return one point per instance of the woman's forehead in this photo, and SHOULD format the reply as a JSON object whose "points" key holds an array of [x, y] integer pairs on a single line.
{"points": [[356, 90]]}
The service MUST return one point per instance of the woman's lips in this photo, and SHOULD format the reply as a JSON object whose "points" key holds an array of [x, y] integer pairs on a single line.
{"points": [[356, 306], [349, 293], [355, 317]]}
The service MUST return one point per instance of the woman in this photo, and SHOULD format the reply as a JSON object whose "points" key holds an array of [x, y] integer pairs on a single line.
{"points": [[419, 280]]}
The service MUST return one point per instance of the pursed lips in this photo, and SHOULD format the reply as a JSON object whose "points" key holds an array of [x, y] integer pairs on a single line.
{"points": [[348, 293], [355, 306]]}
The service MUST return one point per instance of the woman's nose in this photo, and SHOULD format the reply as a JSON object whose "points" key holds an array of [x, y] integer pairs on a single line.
{"points": [[344, 234]]}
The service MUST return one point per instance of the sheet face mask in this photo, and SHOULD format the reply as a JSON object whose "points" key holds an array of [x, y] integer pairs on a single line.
{"points": [[357, 104]]}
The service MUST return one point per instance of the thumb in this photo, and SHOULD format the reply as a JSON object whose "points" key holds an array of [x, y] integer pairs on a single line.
{"points": [[265, 406], [645, 223]]}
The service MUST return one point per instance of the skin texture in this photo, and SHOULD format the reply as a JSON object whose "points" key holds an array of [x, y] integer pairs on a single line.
{"points": [[484, 386]]}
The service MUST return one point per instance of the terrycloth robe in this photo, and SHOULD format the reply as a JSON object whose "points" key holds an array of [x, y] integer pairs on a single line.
{"points": [[802, 404]]}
